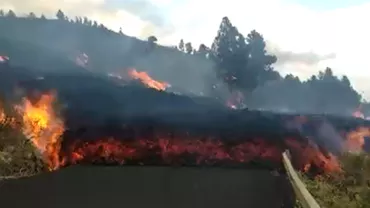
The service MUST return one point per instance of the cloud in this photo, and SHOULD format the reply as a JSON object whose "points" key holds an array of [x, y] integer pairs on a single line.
{"points": [[135, 17]]}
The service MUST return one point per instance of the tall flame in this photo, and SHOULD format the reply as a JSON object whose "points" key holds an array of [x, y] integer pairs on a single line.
{"points": [[147, 80], [43, 127]]}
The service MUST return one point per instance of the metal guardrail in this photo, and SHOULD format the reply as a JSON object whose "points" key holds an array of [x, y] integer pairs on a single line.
{"points": [[303, 195]]}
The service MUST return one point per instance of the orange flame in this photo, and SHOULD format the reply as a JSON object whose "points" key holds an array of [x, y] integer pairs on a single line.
{"points": [[307, 155], [2, 115], [43, 127], [355, 140], [147, 80]]}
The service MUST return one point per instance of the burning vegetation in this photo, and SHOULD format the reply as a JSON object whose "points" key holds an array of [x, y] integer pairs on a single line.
{"points": [[160, 144]]}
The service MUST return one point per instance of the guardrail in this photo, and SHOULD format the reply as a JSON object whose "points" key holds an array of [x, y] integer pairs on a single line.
{"points": [[303, 195]]}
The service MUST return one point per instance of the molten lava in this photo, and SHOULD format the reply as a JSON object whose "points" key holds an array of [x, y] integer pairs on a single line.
{"points": [[170, 151], [147, 80], [43, 127]]}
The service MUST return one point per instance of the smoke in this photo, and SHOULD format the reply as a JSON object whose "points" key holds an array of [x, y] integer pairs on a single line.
{"points": [[285, 57], [307, 58]]}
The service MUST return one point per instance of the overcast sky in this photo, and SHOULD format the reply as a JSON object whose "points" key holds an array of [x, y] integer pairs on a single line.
{"points": [[306, 35]]}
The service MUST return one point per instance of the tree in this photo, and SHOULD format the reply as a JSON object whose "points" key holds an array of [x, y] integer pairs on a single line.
{"points": [[11, 14], [259, 62], [86, 21], [346, 81], [181, 45], [1, 13], [60, 15], [78, 20], [230, 50], [333, 95], [43, 17], [95, 24], [32, 15], [152, 39], [188, 48]]}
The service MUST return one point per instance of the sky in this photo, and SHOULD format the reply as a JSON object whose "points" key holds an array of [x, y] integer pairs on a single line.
{"points": [[306, 35]]}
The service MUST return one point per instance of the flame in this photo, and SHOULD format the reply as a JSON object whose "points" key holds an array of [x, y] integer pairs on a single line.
{"points": [[2, 115], [147, 80], [307, 155], [43, 127], [355, 140]]}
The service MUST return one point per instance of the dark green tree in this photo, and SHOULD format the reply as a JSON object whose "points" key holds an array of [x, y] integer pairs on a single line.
{"points": [[11, 14], [60, 15], [230, 51], [259, 62], [181, 45], [188, 48], [31, 15]]}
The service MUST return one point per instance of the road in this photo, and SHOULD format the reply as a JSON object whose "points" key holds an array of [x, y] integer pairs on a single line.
{"points": [[148, 187]]}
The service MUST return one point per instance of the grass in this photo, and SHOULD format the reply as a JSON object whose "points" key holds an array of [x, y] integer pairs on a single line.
{"points": [[18, 157], [350, 189]]}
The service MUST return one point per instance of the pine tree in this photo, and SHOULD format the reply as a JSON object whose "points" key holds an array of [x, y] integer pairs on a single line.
{"points": [[60, 15], [229, 49], [11, 14], [188, 48], [32, 15], [181, 45]]}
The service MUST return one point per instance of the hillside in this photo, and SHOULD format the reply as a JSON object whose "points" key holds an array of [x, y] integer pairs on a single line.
{"points": [[237, 68], [52, 45]]}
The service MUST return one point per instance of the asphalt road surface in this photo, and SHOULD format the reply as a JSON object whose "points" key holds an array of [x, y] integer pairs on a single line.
{"points": [[148, 187]]}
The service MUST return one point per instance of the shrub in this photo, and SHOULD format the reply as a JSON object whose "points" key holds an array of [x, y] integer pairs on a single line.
{"points": [[17, 155], [351, 188]]}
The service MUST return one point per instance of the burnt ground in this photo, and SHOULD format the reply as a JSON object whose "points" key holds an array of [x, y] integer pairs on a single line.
{"points": [[144, 187]]}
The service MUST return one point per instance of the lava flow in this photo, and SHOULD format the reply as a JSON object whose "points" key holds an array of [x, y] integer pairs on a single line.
{"points": [[42, 125]]}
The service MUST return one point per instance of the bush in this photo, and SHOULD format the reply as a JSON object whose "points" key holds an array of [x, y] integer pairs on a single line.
{"points": [[17, 155], [351, 188]]}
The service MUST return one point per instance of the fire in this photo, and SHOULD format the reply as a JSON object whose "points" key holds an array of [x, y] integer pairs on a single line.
{"points": [[43, 127], [169, 151], [355, 140], [2, 115], [307, 155], [147, 80]]}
